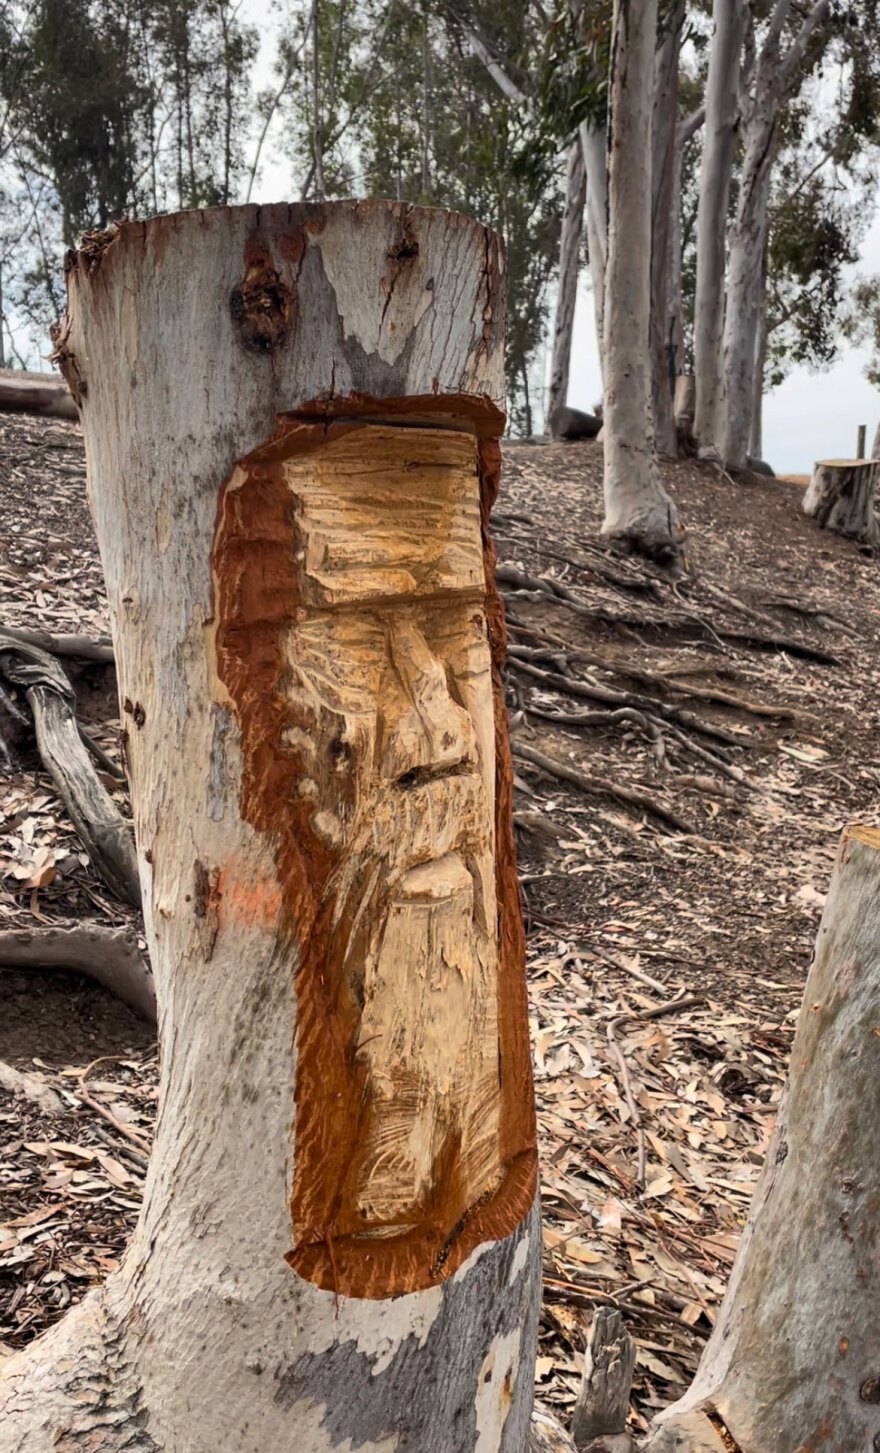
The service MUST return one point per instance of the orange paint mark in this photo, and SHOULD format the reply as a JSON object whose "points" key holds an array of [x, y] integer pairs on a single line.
{"points": [[248, 904]]}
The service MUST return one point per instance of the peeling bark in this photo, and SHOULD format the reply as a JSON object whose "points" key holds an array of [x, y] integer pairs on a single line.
{"points": [[638, 512], [300, 580], [793, 1359]]}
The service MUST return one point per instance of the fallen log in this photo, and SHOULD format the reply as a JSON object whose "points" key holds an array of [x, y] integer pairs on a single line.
{"points": [[36, 393], [110, 956], [566, 423], [106, 836], [841, 495]]}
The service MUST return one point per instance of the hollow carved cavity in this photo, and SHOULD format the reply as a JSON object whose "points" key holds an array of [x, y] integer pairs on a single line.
{"points": [[359, 641]]}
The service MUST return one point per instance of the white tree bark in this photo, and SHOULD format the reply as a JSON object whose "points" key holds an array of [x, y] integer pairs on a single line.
{"points": [[793, 1359], [729, 18], [747, 242], [594, 143], [638, 512], [756, 434], [775, 73], [666, 205], [339, 1247], [569, 269]]}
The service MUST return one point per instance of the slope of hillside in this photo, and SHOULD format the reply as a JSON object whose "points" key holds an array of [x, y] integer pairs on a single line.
{"points": [[686, 750]]}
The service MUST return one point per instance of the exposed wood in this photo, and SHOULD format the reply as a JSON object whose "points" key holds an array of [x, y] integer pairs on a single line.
{"points": [[875, 447], [841, 496], [104, 833], [306, 628], [110, 956], [32, 1087], [36, 393], [603, 1400], [860, 441], [795, 1347]]}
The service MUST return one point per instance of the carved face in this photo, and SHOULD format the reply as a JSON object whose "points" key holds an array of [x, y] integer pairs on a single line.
{"points": [[351, 640], [391, 708]]}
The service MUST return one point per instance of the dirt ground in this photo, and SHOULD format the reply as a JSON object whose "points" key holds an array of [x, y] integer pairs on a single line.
{"points": [[727, 732]]}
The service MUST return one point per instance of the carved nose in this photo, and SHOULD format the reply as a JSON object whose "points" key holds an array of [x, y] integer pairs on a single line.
{"points": [[426, 730]]}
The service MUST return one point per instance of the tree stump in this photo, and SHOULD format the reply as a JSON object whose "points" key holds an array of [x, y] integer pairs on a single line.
{"points": [[683, 410], [291, 417], [840, 497], [794, 1359]]}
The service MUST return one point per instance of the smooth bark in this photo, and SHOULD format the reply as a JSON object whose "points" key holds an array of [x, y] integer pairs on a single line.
{"points": [[775, 74], [638, 512], [793, 1359], [339, 1246], [729, 22], [569, 269], [665, 184], [594, 143]]}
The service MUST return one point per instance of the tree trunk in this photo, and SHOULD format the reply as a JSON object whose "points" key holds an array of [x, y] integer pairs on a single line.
{"points": [[841, 497], [665, 205], [744, 295], [594, 143], [35, 393], [684, 402], [339, 1246], [569, 268], [756, 433], [638, 512], [729, 18], [793, 1362]]}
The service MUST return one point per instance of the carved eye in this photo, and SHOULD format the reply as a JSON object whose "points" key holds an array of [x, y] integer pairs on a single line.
{"points": [[340, 753]]}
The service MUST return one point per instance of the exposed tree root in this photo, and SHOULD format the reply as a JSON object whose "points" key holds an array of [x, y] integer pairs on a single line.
{"points": [[105, 834], [600, 786], [594, 691], [81, 647], [108, 955]]}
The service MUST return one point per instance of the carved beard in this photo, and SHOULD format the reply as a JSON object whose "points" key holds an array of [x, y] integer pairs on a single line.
{"points": [[414, 931]]}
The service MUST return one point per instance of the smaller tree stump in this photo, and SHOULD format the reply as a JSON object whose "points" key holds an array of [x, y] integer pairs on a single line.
{"points": [[599, 1423], [840, 497]]}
